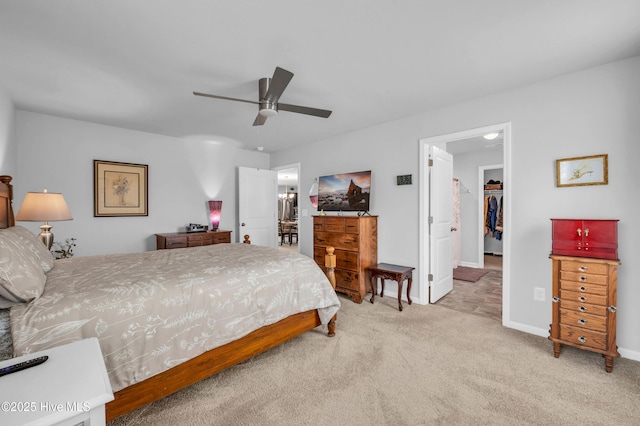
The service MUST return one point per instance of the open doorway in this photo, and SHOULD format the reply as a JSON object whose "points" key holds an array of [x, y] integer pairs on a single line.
{"points": [[477, 278], [470, 150], [288, 193]]}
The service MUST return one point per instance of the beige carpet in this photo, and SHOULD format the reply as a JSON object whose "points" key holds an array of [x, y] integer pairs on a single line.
{"points": [[425, 365]]}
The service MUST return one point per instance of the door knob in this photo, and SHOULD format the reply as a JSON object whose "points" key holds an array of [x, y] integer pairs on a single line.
{"points": [[242, 224], [453, 229]]}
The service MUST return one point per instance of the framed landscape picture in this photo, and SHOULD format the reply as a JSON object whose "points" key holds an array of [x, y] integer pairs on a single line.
{"points": [[120, 189], [579, 171]]}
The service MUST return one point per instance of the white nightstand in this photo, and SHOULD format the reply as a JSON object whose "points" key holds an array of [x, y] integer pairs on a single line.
{"points": [[70, 388]]}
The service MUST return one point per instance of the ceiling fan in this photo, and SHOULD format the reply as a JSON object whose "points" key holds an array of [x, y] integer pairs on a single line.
{"points": [[269, 92]]}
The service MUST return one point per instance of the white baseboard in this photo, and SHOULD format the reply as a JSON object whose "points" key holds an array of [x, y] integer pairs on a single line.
{"points": [[526, 328], [624, 353], [629, 354]]}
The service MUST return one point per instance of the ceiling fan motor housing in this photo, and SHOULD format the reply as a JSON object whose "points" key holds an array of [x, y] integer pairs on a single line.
{"points": [[267, 107]]}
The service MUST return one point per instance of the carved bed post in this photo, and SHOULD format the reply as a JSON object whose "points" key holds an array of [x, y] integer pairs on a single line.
{"points": [[6, 179], [246, 239], [330, 264]]}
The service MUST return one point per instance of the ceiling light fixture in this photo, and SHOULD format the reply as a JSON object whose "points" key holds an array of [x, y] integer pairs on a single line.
{"points": [[491, 136], [268, 109]]}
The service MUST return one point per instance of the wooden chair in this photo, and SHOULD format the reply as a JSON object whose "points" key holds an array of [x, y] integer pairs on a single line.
{"points": [[281, 232], [293, 231]]}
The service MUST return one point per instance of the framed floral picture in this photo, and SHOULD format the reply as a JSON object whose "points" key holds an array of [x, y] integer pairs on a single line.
{"points": [[119, 189], [580, 171]]}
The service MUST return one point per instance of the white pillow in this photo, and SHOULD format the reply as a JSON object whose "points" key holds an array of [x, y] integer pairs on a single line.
{"points": [[33, 243], [21, 276]]}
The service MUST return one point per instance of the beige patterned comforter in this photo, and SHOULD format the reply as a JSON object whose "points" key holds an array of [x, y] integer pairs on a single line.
{"points": [[154, 310]]}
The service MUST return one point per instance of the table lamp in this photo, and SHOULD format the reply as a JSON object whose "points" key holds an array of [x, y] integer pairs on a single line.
{"points": [[215, 208], [44, 207]]}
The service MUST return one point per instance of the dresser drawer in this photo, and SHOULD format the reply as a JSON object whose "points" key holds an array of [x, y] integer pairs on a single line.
{"points": [[586, 321], [221, 237], [337, 240], [581, 337], [578, 297], [347, 279], [175, 242], [584, 307], [583, 277], [584, 267], [591, 289], [334, 224], [351, 226], [344, 259], [318, 255], [196, 240], [347, 260]]}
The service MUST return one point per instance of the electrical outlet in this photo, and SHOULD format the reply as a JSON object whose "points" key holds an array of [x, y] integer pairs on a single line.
{"points": [[538, 294]]}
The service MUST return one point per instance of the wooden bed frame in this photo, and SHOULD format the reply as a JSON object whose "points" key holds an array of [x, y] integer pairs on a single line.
{"points": [[207, 364]]}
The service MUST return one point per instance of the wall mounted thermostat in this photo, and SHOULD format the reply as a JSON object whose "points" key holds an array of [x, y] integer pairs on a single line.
{"points": [[403, 180]]}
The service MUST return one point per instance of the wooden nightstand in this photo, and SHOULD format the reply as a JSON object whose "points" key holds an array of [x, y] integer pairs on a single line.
{"points": [[70, 388]]}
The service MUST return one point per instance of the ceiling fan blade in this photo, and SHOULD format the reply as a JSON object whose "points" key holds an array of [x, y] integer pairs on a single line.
{"points": [[279, 82], [304, 110], [225, 98], [260, 120]]}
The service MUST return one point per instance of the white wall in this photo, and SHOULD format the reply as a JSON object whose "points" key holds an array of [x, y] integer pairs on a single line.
{"points": [[7, 136], [590, 112], [58, 154]]}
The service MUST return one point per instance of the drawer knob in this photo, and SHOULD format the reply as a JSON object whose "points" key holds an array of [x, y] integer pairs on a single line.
{"points": [[582, 321], [579, 232], [582, 339], [612, 309], [583, 288], [586, 232], [583, 278], [555, 299], [582, 299], [582, 309], [582, 268]]}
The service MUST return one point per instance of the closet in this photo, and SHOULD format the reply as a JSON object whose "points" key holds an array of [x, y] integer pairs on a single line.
{"points": [[493, 213]]}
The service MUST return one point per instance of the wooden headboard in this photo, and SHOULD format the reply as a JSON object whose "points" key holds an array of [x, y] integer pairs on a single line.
{"points": [[6, 196]]}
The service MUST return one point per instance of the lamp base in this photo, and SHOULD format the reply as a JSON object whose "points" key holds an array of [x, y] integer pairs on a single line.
{"points": [[46, 236]]}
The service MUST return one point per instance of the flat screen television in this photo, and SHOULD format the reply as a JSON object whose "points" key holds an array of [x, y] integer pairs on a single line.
{"points": [[345, 192]]}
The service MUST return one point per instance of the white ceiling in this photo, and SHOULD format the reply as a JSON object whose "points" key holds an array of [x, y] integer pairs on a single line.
{"points": [[135, 63]]}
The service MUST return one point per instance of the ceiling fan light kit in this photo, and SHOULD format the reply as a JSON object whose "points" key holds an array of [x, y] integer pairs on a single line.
{"points": [[269, 92]]}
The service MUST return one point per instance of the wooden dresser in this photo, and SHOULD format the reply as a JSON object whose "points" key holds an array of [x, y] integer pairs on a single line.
{"points": [[584, 293], [355, 239], [191, 239]]}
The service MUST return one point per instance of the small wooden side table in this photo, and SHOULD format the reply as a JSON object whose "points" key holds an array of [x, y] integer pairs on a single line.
{"points": [[392, 272]]}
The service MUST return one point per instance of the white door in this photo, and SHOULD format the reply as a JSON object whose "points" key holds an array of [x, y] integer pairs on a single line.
{"points": [[258, 205], [440, 222]]}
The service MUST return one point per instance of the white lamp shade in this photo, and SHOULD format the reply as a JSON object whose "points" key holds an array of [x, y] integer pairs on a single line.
{"points": [[43, 207]]}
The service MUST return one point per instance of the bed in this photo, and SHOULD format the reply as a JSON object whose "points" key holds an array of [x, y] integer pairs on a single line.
{"points": [[156, 325]]}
